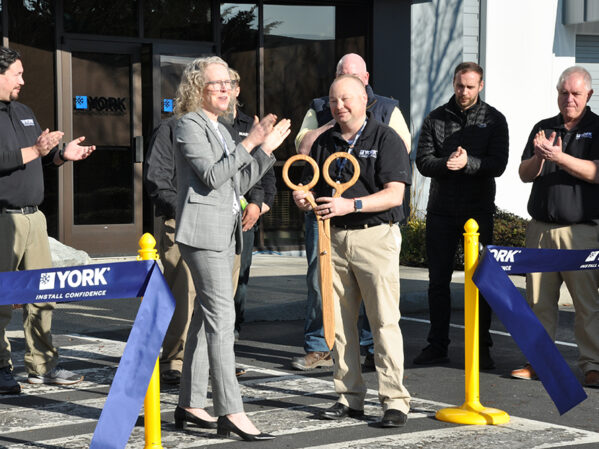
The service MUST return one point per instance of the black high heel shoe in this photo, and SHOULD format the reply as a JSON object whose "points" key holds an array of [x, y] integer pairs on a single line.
{"points": [[225, 427], [182, 417]]}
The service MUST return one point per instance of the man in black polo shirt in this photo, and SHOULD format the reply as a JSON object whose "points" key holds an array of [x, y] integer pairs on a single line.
{"points": [[24, 147], [561, 159], [317, 120], [365, 243]]}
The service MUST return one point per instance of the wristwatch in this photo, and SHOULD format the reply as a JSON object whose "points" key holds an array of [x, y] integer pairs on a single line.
{"points": [[61, 154], [357, 205]]}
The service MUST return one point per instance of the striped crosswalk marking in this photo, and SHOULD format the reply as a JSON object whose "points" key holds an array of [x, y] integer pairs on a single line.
{"points": [[71, 413]]}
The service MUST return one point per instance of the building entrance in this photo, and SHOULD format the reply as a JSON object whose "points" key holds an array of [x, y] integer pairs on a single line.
{"points": [[102, 196]]}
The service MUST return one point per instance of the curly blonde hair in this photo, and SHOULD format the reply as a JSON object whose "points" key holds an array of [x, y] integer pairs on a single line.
{"points": [[189, 92]]}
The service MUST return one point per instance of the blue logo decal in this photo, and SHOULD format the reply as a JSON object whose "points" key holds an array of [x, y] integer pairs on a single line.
{"points": [[81, 102], [167, 105]]}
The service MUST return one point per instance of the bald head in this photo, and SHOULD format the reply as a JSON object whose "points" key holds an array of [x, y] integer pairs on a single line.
{"points": [[353, 64], [348, 99]]}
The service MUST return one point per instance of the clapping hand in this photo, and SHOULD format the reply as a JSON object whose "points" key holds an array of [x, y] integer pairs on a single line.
{"points": [[75, 152]]}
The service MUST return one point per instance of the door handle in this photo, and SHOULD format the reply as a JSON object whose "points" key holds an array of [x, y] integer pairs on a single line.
{"points": [[138, 142]]}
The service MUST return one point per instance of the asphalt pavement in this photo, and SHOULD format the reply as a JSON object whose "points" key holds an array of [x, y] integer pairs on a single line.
{"points": [[282, 401]]}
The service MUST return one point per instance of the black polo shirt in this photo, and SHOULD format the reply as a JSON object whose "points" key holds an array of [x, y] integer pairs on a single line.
{"points": [[557, 196], [20, 184], [382, 157]]}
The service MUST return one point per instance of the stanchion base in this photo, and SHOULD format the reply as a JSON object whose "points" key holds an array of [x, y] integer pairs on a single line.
{"points": [[473, 415]]}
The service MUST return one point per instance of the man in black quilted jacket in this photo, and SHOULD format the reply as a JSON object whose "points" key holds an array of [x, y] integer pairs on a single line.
{"points": [[463, 147]]}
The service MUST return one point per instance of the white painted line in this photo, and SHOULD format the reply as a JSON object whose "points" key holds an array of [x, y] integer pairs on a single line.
{"points": [[505, 334]]}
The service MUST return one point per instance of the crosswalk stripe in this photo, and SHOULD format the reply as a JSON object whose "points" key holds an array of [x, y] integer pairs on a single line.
{"points": [[69, 409]]}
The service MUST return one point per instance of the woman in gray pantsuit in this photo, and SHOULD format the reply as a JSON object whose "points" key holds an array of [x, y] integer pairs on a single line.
{"points": [[212, 174]]}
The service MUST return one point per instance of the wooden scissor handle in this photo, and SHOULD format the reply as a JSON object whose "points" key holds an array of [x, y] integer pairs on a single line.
{"points": [[307, 187], [340, 188]]}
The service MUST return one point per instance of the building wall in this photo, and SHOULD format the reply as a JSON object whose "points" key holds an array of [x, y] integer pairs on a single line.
{"points": [[437, 47], [522, 68]]}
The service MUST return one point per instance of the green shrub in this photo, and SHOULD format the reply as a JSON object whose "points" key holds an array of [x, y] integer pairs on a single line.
{"points": [[413, 243], [509, 230]]}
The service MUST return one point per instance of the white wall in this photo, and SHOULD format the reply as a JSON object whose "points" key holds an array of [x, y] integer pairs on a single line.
{"points": [[436, 48], [524, 50]]}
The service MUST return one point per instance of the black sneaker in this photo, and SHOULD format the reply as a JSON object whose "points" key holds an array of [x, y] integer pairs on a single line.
{"points": [[8, 384], [431, 356], [368, 364]]}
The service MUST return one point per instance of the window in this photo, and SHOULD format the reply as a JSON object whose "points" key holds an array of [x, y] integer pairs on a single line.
{"points": [[108, 17], [178, 19]]}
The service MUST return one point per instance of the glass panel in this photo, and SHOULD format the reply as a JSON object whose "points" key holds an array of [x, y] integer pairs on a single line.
{"points": [[37, 53], [178, 19], [112, 17], [171, 69], [299, 64], [103, 184], [239, 33], [297, 40]]}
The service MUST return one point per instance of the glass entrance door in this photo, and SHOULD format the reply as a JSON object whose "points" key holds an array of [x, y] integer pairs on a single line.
{"points": [[102, 197]]}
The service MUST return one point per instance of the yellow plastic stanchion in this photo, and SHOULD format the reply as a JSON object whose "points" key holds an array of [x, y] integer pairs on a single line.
{"points": [[472, 411], [152, 423]]}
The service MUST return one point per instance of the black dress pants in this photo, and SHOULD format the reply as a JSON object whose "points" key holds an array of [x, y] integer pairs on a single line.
{"points": [[443, 233]]}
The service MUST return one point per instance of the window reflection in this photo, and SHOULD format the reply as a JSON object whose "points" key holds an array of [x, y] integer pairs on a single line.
{"points": [[112, 17], [239, 39], [299, 64], [299, 61], [178, 19], [171, 69]]}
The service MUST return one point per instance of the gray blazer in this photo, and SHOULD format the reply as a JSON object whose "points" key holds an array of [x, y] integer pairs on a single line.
{"points": [[207, 179]]}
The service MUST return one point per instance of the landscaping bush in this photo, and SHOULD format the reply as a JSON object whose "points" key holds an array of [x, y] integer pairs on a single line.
{"points": [[509, 230], [413, 243]]}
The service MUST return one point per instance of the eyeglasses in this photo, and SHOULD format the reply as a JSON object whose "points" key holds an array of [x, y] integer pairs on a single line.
{"points": [[218, 85]]}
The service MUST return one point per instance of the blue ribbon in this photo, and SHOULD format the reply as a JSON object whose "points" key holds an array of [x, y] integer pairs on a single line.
{"points": [[519, 319], [108, 281]]}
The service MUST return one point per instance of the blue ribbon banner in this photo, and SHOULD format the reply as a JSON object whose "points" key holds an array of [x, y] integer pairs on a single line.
{"points": [[108, 281], [491, 278]]}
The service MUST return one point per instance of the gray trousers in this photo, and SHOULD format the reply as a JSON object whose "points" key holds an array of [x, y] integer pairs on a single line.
{"points": [[210, 337]]}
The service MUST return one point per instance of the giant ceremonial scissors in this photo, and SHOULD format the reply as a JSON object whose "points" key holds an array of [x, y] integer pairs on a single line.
{"points": [[324, 231]]}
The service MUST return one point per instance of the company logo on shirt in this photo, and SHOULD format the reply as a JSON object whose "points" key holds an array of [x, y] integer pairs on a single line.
{"points": [[587, 135], [28, 122], [482, 125], [368, 153], [87, 277]]}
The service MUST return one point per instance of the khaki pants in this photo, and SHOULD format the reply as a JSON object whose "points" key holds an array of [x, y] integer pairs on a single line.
{"points": [[24, 246], [366, 266], [543, 289], [178, 277]]}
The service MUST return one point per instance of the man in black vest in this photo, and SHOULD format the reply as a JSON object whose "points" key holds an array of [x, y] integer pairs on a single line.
{"points": [[317, 120]]}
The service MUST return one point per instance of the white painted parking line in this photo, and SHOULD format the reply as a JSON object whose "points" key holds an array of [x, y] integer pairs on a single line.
{"points": [[504, 334]]}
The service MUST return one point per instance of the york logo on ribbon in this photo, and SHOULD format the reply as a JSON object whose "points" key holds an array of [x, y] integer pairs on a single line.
{"points": [[592, 256], [505, 256], [87, 277]]}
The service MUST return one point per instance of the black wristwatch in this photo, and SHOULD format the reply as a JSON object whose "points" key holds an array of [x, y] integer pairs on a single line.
{"points": [[357, 205], [61, 154]]}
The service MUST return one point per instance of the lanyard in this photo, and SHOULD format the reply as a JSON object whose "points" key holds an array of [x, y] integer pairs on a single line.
{"points": [[352, 143]]}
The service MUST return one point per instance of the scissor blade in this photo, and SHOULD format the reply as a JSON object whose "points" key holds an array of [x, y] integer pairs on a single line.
{"points": [[326, 281]]}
